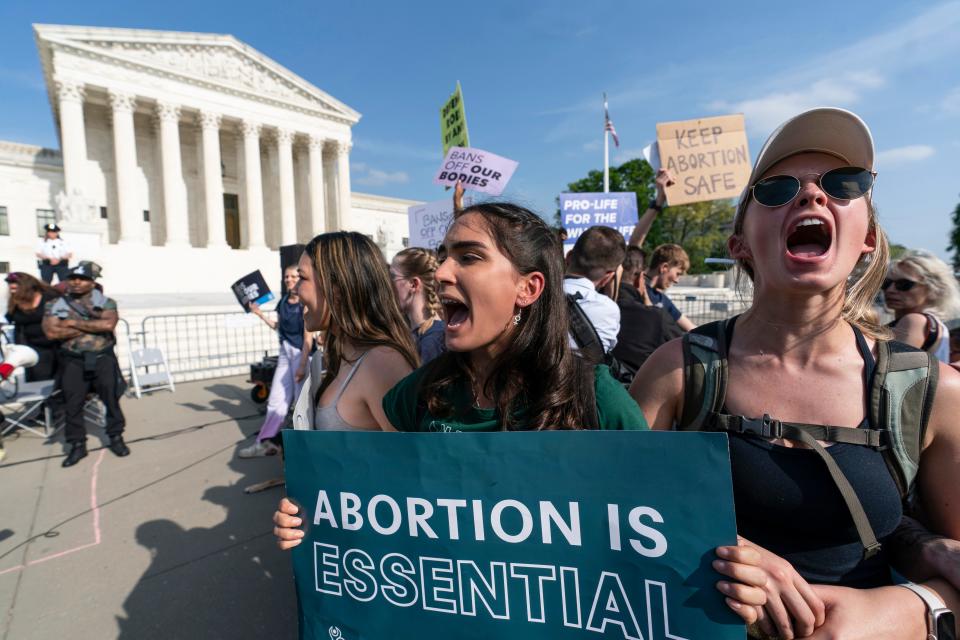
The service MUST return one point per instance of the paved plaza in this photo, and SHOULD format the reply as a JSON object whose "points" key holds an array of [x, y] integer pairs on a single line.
{"points": [[161, 544]]}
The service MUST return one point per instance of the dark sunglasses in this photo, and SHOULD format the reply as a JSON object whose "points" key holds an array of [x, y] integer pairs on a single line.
{"points": [[844, 183], [901, 285]]}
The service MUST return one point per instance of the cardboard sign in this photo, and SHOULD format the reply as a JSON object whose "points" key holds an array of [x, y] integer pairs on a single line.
{"points": [[411, 536], [428, 223], [252, 288], [580, 211], [479, 170], [708, 158], [453, 122]]}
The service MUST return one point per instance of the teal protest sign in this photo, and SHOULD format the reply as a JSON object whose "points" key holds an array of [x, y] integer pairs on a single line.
{"points": [[511, 535]]}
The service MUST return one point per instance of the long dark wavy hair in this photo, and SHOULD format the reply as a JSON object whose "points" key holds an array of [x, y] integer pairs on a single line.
{"points": [[537, 382], [27, 287], [362, 306]]}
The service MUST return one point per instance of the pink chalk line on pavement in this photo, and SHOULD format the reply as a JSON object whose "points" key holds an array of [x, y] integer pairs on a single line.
{"points": [[96, 524]]}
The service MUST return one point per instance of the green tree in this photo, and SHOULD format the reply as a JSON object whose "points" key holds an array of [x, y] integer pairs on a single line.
{"points": [[700, 228], [897, 250], [954, 245]]}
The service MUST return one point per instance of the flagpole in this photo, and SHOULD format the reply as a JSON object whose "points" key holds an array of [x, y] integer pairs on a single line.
{"points": [[606, 149]]}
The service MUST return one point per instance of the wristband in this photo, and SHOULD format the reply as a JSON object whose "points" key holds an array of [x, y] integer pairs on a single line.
{"points": [[656, 207], [940, 620]]}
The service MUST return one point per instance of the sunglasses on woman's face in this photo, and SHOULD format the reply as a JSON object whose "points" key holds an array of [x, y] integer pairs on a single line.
{"points": [[901, 285], [844, 183]]}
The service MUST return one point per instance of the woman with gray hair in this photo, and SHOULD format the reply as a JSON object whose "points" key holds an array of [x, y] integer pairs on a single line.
{"points": [[922, 292]]}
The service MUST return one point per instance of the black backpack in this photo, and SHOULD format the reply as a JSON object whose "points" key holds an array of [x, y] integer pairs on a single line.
{"points": [[901, 397], [589, 343]]}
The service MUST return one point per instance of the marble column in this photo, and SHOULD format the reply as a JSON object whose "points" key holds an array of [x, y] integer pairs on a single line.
{"points": [[125, 162], [73, 137], [318, 219], [343, 183], [253, 185], [288, 203], [212, 179], [174, 191]]}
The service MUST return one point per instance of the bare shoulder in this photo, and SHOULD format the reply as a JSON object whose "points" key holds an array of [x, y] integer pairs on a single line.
{"points": [[658, 385], [385, 365], [912, 321], [946, 406]]}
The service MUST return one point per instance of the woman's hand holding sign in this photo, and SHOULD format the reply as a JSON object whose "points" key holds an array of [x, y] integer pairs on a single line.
{"points": [[285, 522]]}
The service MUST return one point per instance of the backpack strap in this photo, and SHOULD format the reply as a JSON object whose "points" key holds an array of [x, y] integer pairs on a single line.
{"points": [[904, 388], [933, 331], [704, 374], [583, 331]]}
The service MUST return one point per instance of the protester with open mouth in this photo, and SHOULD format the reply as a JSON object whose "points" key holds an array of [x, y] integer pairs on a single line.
{"points": [[508, 364], [922, 291], [818, 487]]}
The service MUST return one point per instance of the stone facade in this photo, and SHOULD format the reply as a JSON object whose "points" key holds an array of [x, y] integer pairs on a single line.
{"points": [[203, 155]]}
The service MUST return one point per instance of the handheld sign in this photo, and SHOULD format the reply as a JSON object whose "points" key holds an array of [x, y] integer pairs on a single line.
{"points": [[580, 211], [252, 288], [428, 222], [479, 170], [453, 122], [708, 158], [554, 534]]}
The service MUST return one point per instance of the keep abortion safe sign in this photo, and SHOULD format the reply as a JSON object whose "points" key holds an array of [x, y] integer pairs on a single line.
{"points": [[477, 169], [708, 158], [580, 211], [557, 535]]}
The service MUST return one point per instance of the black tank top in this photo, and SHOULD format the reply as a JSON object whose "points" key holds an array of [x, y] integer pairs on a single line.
{"points": [[787, 502]]}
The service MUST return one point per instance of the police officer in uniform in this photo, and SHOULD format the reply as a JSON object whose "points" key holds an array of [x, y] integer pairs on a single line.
{"points": [[53, 255], [84, 321]]}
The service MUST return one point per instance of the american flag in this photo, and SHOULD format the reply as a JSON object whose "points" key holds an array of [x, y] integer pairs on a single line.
{"points": [[608, 123]]}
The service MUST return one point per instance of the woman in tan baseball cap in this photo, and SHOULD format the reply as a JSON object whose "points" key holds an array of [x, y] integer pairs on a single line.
{"points": [[819, 406]]}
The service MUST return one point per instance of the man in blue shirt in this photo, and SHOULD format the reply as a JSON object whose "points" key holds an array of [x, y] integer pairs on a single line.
{"points": [[667, 264]]}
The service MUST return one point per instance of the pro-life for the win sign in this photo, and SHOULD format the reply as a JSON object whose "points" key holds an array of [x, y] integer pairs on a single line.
{"points": [[580, 211], [414, 536]]}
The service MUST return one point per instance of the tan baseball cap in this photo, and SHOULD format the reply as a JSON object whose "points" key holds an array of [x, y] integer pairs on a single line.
{"points": [[839, 132]]}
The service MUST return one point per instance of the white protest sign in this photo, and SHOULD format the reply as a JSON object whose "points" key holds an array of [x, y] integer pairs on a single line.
{"points": [[477, 169], [428, 222]]}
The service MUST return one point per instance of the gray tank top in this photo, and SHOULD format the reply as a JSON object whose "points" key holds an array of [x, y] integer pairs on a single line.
{"points": [[328, 418]]}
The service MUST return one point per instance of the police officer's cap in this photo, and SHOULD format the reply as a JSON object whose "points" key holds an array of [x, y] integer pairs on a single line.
{"points": [[51, 227]]}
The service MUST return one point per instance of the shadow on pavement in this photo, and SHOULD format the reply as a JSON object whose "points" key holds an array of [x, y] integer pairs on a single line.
{"points": [[225, 581]]}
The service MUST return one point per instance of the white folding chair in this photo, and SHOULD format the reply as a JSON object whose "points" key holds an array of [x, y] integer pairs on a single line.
{"points": [[144, 380]]}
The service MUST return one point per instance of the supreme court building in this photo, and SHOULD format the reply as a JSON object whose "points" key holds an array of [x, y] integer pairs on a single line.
{"points": [[185, 161]]}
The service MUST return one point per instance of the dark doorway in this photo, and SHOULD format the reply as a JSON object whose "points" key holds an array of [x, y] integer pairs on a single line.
{"points": [[231, 216]]}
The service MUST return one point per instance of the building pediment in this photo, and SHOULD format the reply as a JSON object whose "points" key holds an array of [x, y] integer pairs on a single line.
{"points": [[218, 60]]}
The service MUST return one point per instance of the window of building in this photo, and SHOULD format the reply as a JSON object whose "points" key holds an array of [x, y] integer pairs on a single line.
{"points": [[45, 217], [4, 224], [405, 242], [4, 267], [146, 215], [103, 213]]}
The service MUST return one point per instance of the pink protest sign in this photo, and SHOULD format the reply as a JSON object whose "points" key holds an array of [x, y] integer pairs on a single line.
{"points": [[479, 170]]}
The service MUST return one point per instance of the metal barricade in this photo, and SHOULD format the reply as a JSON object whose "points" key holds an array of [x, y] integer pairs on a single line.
{"points": [[208, 345], [702, 309]]}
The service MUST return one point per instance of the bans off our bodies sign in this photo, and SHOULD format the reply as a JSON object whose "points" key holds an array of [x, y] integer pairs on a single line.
{"points": [[556, 535], [708, 158], [477, 169]]}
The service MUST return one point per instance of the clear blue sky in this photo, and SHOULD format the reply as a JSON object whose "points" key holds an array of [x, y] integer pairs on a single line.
{"points": [[533, 74]]}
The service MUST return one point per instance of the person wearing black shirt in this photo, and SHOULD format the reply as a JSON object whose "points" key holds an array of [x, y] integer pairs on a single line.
{"points": [[27, 299]]}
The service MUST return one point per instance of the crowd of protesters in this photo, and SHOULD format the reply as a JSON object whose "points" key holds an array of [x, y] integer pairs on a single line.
{"points": [[840, 500], [826, 513]]}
